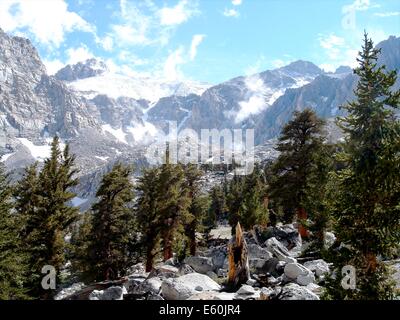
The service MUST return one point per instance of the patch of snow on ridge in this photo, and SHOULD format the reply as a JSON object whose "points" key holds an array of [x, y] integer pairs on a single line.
{"points": [[38, 152], [6, 156], [116, 85], [142, 132], [76, 202], [118, 134], [102, 158]]}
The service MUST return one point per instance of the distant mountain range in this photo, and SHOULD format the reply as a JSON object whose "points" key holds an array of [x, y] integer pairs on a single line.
{"points": [[107, 116]]}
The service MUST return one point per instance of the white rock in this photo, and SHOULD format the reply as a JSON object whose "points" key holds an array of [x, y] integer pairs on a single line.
{"points": [[314, 288], [293, 291], [64, 293], [258, 252], [301, 274], [329, 239], [320, 267], [278, 250], [304, 280], [183, 287], [293, 270], [111, 293], [211, 295], [247, 292], [251, 282], [200, 264]]}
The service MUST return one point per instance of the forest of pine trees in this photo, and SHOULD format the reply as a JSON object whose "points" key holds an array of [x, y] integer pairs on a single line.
{"points": [[352, 188]]}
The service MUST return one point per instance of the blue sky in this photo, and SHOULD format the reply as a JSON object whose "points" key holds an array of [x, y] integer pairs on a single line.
{"points": [[206, 40]]}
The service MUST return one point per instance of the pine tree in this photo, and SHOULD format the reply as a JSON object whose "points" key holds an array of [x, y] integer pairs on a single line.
{"points": [[13, 259], [254, 209], [234, 201], [25, 195], [147, 214], [299, 145], [173, 205], [217, 209], [197, 207], [112, 230], [367, 210], [50, 215], [79, 254]]}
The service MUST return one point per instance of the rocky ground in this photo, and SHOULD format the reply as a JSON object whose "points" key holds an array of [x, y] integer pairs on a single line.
{"points": [[277, 272]]}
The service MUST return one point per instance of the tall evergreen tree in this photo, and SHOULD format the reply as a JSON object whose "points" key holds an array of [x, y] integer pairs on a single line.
{"points": [[218, 207], [254, 209], [299, 145], [367, 206], [26, 202], [173, 205], [234, 201], [112, 232], [13, 259], [49, 215], [198, 204], [147, 214]]}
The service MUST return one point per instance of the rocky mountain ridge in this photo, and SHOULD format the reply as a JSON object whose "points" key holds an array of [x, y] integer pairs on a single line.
{"points": [[102, 129]]}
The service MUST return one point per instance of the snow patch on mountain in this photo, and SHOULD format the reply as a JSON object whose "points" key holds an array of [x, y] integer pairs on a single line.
{"points": [[91, 78], [142, 132], [39, 152], [6, 156], [118, 134], [76, 202]]}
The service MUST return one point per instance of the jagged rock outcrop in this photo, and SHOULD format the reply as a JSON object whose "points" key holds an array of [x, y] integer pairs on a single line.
{"points": [[81, 70]]}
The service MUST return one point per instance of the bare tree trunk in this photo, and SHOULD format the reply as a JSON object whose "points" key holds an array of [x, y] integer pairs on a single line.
{"points": [[192, 239], [167, 250], [239, 271], [149, 258], [302, 215]]}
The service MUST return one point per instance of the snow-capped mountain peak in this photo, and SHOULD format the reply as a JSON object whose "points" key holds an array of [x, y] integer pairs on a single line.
{"points": [[92, 77], [82, 70]]}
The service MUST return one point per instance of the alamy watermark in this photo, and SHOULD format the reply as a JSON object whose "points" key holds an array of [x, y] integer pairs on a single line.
{"points": [[349, 277], [227, 146]]}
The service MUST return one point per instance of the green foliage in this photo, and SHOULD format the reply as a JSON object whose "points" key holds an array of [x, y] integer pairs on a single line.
{"points": [[42, 201], [217, 209], [296, 171], [13, 260], [79, 254], [112, 226], [246, 200], [147, 216], [366, 207]]}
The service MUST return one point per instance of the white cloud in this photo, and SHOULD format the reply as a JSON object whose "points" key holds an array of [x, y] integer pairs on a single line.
{"points": [[278, 63], [256, 102], [236, 2], [231, 13], [387, 14], [80, 54], [143, 23], [333, 45], [196, 40], [171, 66], [362, 5], [53, 66], [47, 20], [128, 34], [176, 15], [107, 43], [343, 51]]}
